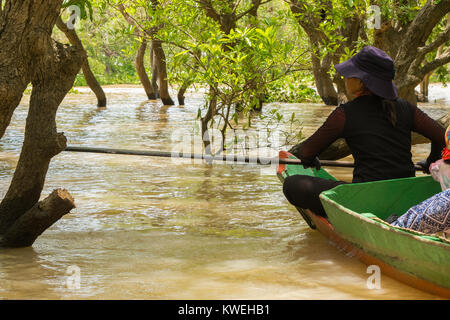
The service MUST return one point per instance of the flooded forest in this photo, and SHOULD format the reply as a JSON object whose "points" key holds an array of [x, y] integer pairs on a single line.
{"points": [[177, 78]]}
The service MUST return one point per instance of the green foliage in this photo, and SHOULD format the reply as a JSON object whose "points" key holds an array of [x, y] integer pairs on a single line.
{"points": [[238, 67], [442, 75], [264, 57], [289, 128], [110, 48], [292, 88]]}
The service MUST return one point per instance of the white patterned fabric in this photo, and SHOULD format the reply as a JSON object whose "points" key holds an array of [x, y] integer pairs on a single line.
{"points": [[429, 216]]}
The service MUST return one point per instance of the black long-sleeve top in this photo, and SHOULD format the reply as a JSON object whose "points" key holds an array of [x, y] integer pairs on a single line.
{"points": [[381, 150]]}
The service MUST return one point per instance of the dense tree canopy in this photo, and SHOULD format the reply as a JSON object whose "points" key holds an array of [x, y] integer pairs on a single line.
{"points": [[314, 34]]}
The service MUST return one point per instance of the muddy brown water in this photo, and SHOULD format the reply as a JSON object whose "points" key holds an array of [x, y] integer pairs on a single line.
{"points": [[154, 228]]}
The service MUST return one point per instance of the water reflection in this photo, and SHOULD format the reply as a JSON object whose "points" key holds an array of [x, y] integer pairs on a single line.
{"points": [[154, 228]]}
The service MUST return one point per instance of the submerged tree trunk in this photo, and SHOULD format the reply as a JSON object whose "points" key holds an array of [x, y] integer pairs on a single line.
{"points": [[51, 68], [160, 60], [181, 92], [423, 95], [87, 72], [41, 143], [159, 67], [205, 121], [140, 68], [154, 73]]}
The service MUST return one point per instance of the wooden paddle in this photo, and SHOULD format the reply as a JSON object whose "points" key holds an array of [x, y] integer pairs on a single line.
{"points": [[209, 159]]}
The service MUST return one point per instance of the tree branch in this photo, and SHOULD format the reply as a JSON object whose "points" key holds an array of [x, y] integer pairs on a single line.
{"points": [[436, 63], [442, 38], [421, 27], [209, 9], [255, 6], [236, 5], [69, 33], [128, 18]]}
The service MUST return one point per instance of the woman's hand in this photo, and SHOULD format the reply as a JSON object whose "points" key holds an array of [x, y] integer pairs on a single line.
{"points": [[425, 165], [311, 163]]}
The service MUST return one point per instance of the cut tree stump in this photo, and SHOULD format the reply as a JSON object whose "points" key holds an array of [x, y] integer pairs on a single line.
{"points": [[25, 230]]}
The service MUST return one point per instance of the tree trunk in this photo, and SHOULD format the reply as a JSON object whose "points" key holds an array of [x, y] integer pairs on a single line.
{"points": [[426, 80], [205, 121], [324, 84], [423, 97], [140, 68], [25, 230], [51, 68], [87, 72], [339, 149], [408, 93], [181, 92], [93, 84], [17, 52], [151, 89], [154, 73], [160, 60]]}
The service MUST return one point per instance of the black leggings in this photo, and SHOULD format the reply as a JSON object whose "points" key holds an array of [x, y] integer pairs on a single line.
{"points": [[303, 191]]}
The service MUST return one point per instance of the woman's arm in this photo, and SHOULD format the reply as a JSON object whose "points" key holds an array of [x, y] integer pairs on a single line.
{"points": [[430, 129], [331, 130]]}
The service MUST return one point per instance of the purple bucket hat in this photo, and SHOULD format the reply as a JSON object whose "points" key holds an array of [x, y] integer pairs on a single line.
{"points": [[374, 68]]}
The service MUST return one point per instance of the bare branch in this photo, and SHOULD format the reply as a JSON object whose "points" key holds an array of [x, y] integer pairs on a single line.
{"points": [[421, 27], [209, 9], [442, 38], [236, 5], [139, 29], [296, 6], [255, 6], [125, 14], [436, 63]]}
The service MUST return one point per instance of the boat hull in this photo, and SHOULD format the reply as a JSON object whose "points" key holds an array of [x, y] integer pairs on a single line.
{"points": [[357, 227]]}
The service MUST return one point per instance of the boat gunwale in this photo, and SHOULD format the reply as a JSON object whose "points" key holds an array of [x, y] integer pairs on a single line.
{"points": [[416, 235]]}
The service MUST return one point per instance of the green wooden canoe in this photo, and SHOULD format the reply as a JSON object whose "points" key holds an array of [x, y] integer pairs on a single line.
{"points": [[355, 223]]}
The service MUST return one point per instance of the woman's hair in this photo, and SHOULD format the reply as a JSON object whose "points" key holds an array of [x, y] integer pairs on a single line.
{"points": [[447, 161], [389, 108]]}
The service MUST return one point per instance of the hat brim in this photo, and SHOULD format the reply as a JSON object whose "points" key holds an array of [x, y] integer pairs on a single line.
{"points": [[379, 87]]}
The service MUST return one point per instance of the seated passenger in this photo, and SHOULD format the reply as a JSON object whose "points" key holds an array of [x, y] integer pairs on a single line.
{"points": [[433, 214]]}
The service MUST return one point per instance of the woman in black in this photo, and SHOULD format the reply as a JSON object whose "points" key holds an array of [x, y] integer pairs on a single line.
{"points": [[376, 125]]}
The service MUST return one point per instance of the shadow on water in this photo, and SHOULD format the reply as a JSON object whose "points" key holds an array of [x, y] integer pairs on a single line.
{"points": [[91, 115], [148, 109]]}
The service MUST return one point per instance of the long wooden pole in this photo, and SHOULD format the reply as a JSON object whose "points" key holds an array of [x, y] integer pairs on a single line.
{"points": [[208, 158]]}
